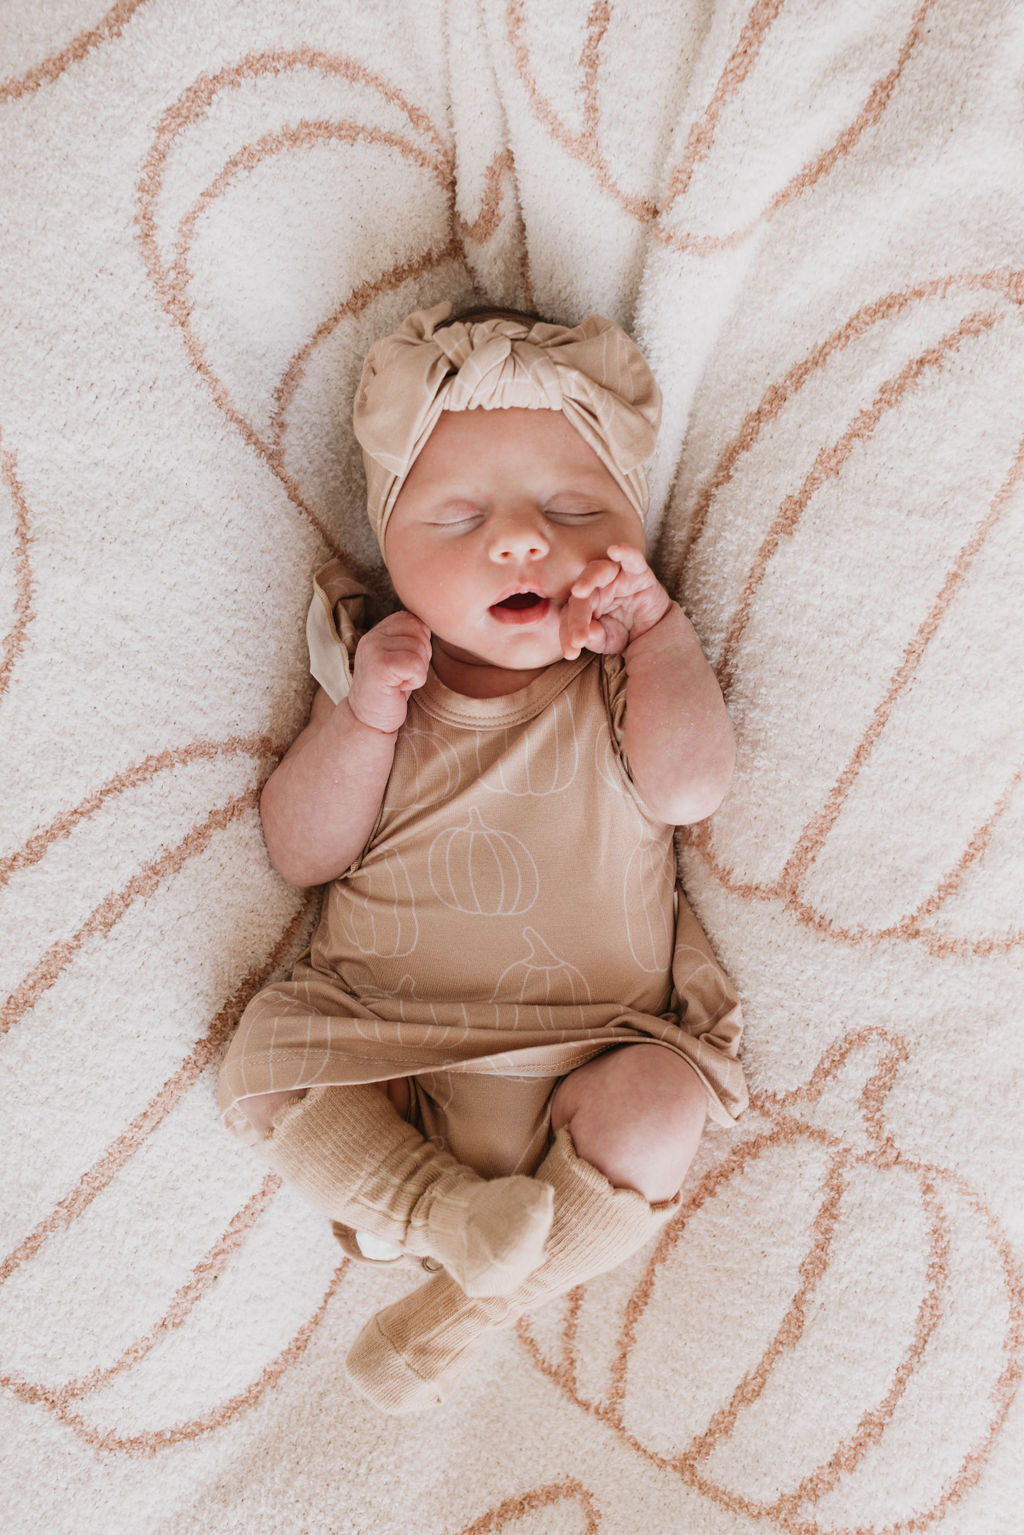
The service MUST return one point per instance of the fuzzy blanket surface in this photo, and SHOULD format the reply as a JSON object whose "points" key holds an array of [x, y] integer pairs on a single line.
{"points": [[810, 214]]}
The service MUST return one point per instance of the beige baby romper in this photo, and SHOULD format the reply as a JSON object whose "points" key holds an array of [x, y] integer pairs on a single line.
{"points": [[514, 913]]}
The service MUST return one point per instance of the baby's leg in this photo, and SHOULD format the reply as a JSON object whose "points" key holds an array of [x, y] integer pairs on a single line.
{"points": [[262, 1108], [411, 1354], [639, 1112], [349, 1152]]}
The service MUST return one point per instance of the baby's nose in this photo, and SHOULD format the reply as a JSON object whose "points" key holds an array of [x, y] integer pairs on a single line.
{"points": [[519, 537]]}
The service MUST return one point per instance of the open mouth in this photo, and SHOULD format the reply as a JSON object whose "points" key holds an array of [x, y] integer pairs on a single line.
{"points": [[521, 608], [520, 600]]}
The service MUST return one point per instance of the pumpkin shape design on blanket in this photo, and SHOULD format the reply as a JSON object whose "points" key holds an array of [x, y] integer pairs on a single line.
{"points": [[482, 871], [714, 190], [310, 103], [889, 733], [866, 1269]]}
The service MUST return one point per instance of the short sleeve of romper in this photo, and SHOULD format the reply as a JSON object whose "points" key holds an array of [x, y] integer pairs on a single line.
{"points": [[515, 911]]}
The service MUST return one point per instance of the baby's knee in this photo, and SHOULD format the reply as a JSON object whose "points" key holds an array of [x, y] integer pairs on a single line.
{"points": [[634, 1084], [638, 1118]]}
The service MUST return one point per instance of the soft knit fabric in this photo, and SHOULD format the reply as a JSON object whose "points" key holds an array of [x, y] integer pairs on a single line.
{"points": [[351, 1154], [410, 1355]]}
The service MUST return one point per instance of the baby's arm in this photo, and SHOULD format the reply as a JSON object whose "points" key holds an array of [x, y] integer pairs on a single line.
{"points": [[320, 803], [679, 738]]}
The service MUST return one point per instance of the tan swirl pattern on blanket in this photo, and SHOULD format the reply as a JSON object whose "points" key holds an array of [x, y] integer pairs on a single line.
{"points": [[829, 464], [566, 1496], [584, 146], [790, 1125], [612, 1408], [203, 1057], [171, 276], [14, 641], [171, 280], [110, 26]]}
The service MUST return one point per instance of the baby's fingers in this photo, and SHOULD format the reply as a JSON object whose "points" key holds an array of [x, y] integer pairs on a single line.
{"points": [[595, 576], [406, 666], [576, 625], [630, 559], [405, 626], [404, 633]]}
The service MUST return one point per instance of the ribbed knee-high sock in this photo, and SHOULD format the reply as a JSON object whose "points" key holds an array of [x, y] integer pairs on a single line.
{"points": [[410, 1355], [349, 1152]]}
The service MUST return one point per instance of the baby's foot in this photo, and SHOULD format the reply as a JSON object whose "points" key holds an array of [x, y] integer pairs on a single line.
{"points": [[410, 1356], [489, 1235]]}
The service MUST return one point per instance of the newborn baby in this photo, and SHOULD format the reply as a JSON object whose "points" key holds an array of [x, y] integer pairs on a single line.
{"points": [[500, 1050]]}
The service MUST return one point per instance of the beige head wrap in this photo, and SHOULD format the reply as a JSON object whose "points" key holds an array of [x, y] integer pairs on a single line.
{"points": [[592, 372]]}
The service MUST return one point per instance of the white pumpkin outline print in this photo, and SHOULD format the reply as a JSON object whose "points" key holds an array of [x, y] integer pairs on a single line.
{"points": [[436, 753], [683, 979], [540, 958], [608, 762], [451, 1030], [374, 930], [547, 768], [650, 924], [464, 859]]}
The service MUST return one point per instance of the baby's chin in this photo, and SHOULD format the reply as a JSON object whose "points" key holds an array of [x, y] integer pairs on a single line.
{"points": [[518, 650]]}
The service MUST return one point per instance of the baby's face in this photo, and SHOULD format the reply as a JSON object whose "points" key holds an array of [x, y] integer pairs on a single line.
{"points": [[499, 515]]}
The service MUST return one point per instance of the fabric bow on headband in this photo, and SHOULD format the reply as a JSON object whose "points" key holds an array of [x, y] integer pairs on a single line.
{"points": [[592, 372]]}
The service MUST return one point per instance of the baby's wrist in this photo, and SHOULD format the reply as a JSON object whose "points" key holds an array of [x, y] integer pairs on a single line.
{"points": [[653, 616], [376, 719], [658, 637]]}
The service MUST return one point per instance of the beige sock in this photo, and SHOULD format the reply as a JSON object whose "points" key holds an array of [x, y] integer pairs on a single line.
{"points": [[349, 1152], [410, 1355]]}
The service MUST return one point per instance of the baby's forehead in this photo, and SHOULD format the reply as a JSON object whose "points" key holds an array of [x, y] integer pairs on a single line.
{"points": [[590, 381], [489, 457], [475, 441]]}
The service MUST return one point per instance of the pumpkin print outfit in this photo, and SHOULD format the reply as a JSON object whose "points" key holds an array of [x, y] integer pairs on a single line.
{"points": [[515, 912]]}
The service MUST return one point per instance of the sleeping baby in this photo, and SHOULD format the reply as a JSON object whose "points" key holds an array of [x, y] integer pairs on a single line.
{"points": [[499, 1052]]}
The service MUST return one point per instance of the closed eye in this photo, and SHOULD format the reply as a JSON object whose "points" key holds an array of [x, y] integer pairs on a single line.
{"points": [[458, 523]]}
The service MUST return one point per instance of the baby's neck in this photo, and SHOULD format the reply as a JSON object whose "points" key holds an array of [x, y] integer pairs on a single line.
{"points": [[480, 680]]}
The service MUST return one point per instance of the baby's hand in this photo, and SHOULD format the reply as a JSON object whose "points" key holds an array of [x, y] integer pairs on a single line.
{"points": [[390, 663], [614, 600]]}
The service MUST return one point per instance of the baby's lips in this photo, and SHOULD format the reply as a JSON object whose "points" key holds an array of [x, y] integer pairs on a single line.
{"points": [[531, 610]]}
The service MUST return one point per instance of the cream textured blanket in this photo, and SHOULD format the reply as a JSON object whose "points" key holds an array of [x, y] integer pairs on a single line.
{"points": [[810, 215]]}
